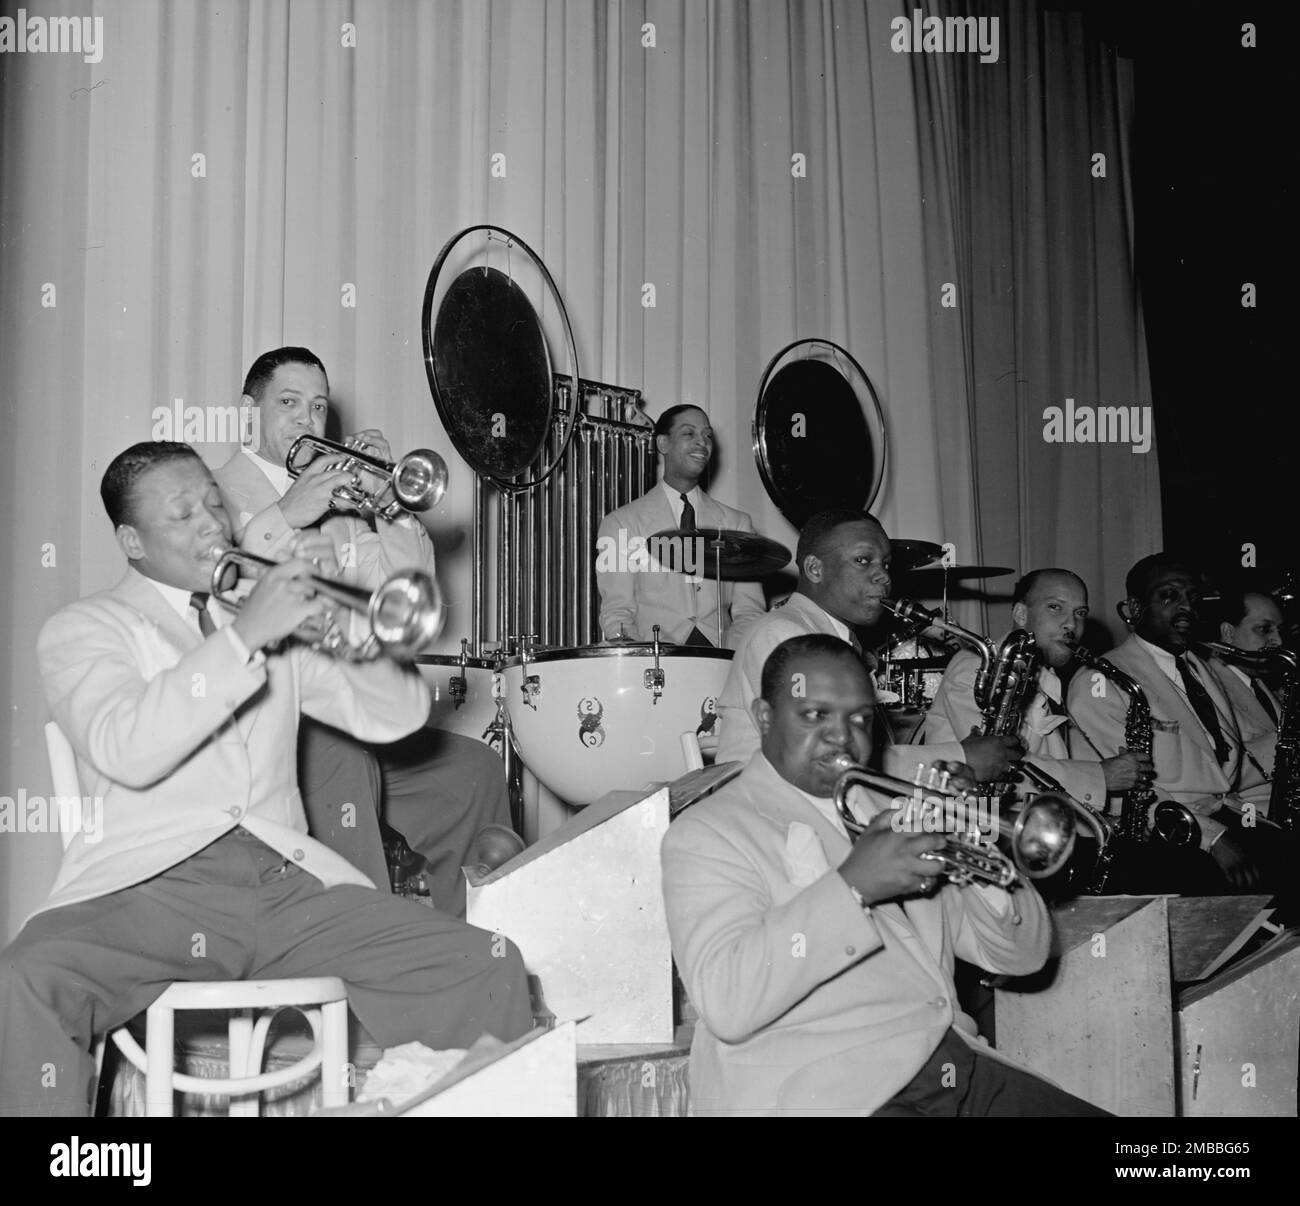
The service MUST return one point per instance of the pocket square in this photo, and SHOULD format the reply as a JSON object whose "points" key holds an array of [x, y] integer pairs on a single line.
{"points": [[804, 857]]}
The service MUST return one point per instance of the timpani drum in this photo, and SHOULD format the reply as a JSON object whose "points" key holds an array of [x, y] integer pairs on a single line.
{"points": [[464, 697], [604, 718]]}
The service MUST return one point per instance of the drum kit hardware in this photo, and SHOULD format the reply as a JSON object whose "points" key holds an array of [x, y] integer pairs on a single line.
{"points": [[721, 555]]}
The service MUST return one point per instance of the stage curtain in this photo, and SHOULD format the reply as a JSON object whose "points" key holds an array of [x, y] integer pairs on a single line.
{"points": [[229, 178], [1036, 232]]}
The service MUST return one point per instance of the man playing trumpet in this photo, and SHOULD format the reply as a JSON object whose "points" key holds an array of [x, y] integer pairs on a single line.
{"points": [[184, 721], [439, 789], [822, 969]]}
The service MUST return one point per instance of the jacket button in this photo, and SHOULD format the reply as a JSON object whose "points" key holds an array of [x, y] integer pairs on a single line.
{"points": [[298, 856], [939, 1003], [850, 951], [236, 812]]}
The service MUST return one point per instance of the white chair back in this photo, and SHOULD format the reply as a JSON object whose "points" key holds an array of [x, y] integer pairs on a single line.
{"points": [[63, 776]]}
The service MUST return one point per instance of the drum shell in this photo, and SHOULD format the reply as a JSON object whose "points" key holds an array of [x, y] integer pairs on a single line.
{"points": [[594, 727], [471, 716]]}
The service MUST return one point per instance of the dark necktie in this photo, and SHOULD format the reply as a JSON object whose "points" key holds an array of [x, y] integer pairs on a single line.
{"points": [[1203, 706], [1261, 694], [688, 515], [199, 601]]}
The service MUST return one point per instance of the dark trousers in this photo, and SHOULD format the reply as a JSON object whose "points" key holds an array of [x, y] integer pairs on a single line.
{"points": [[440, 789], [958, 1082], [237, 910], [341, 785]]}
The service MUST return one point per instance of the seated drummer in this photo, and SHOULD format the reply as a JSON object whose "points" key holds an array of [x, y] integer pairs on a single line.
{"points": [[822, 968], [843, 557], [183, 716], [633, 599]]}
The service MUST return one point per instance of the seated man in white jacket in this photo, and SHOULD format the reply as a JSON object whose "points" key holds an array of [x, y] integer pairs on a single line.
{"points": [[1053, 605], [184, 717], [822, 969]]}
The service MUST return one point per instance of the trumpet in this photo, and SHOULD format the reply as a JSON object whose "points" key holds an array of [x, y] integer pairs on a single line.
{"points": [[416, 482], [1039, 845], [403, 615]]}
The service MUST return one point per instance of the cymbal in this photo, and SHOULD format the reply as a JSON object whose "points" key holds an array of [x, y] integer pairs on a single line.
{"points": [[937, 573], [908, 554], [739, 556]]}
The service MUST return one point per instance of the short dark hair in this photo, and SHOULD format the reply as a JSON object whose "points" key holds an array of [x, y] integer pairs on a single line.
{"points": [[117, 487], [664, 425], [1232, 603], [776, 670], [263, 368], [1138, 581], [815, 533], [1030, 580]]}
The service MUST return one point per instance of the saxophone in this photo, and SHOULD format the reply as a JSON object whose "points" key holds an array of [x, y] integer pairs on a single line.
{"points": [[1005, 684], [1284, 795], [1171, 822]]}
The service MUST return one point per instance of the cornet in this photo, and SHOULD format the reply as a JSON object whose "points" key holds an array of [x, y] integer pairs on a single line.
{"points": [[415, 483], [403, 615], [1039, 845]]}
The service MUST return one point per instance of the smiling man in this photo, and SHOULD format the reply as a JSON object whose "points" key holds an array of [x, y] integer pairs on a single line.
{"points": [[636, 597], [439, 789], [183, 717], [822, 969], [1202, 756]]}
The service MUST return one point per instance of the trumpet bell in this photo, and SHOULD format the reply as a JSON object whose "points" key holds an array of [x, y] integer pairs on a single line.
{"points": [[420, 479], [406, 614], [1043, 836]]}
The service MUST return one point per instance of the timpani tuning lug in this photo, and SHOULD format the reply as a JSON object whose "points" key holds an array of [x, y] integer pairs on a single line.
{"points": [[654, 680]]}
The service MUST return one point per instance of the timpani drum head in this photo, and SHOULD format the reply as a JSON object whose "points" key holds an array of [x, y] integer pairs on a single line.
{"points": [[819, 431]]}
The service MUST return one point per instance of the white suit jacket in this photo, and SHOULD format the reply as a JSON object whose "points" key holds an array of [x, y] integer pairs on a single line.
{"points": [[1186, 768], [809, 1004], [183, 740], [367, 556], [1071, 761], [738, 733], [639, 600]]}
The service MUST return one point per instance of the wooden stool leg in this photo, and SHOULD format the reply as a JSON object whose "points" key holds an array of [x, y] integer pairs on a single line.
{"points": [[241, 1047], [334, 1076], [159, 1039]]}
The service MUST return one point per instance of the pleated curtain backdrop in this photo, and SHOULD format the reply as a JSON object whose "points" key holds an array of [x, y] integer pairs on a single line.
{"points": [[1028, 183], [227, 179]]}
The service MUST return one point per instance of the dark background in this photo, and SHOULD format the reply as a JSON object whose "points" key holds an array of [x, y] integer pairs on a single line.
{"points": [[1212, 151]]}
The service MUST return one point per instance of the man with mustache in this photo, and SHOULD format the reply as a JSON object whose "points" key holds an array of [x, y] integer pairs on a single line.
{"points": [[1251, 621], [634, 600], [1201, 758], [439, 788], [843, 558], [183, 716], [821, 967], [1053, 605]]}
